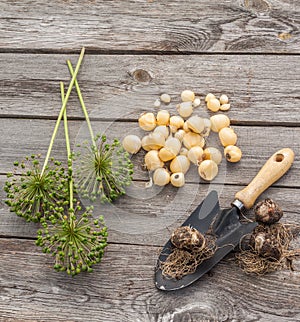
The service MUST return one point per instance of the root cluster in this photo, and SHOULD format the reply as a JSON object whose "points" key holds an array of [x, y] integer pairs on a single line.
{"points": [[269, 249], [185, 258]]}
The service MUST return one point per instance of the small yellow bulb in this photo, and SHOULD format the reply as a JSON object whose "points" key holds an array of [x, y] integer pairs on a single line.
{"points": [[185, 109], [225, 107], [170, 150], [177, 179], [195, 155], [165, 98], [196, 124], [163, 130], [232, 153], [162, 117], [152, 160], [180, 164], [209, 96], [147, 121], [224, 99], [212, 153], [166, 154], [161, 177], [219, 121], [207, 127], [227, 136], [213, 104], [176, 122], [157, 103], [191, 139], [153, 141], [179, 135], [132, 143], [208, 170], [187, 96], [196, 102], [173, 144]]}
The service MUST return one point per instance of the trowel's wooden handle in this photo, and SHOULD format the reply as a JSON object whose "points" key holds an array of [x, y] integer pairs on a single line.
{"points": [[274, 168]]}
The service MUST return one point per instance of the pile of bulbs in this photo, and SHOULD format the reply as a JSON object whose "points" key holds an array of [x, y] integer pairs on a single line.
{"points": [[180, 139]]}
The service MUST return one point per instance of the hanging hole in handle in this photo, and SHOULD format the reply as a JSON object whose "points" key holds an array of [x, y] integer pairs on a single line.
{"points": [[279, 157]]}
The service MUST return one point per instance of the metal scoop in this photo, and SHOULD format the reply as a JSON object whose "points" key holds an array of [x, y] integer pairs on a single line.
{"points": [[226, 225]]}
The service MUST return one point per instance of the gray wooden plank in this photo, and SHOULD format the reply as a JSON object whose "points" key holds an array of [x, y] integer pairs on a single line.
{"points": [[206, 26], [121, 288], [261, 88], [263, 91], [257, 143], [147, 216]]}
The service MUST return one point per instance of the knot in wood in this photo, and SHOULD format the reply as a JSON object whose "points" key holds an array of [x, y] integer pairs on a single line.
{"points": [[141, 76], [258, 6]]}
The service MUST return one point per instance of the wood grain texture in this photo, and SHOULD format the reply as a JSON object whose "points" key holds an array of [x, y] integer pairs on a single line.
{"points": [[140, 25], [28, 137], [262, 89], [148, 216], [127, 292], [137, 50]]}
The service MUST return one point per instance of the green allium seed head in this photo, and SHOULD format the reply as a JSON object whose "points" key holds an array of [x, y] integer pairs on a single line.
{"points": [[33, 195], [103, 171], [72, 241]]}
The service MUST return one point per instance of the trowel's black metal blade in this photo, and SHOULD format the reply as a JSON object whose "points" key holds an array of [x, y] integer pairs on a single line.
{"points": [[229, 232], [201, 219]]}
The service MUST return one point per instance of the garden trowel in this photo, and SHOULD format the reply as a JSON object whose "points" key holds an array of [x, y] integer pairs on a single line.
{"points": [[225, 224]]}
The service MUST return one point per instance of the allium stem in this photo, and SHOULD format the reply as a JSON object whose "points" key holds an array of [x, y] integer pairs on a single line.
{"points": [[64, 104], [82, 104], [62, 93], [71, 188]]}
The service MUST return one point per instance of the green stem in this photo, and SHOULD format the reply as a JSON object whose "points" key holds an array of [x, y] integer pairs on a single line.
{"points": [[62, 92], [64, 104], [82, 105], [71, 185]]}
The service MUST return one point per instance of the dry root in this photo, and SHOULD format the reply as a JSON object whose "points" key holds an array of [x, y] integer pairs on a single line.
{"points": [[182, 262], [251, 262], [269, 249]]}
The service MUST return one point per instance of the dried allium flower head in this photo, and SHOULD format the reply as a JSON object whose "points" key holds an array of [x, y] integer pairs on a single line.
{"points": [[103, 171], [77, 240], [34, 194]]}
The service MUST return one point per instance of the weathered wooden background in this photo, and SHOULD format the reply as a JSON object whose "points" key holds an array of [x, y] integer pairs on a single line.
{"points": [[137, 49]]}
